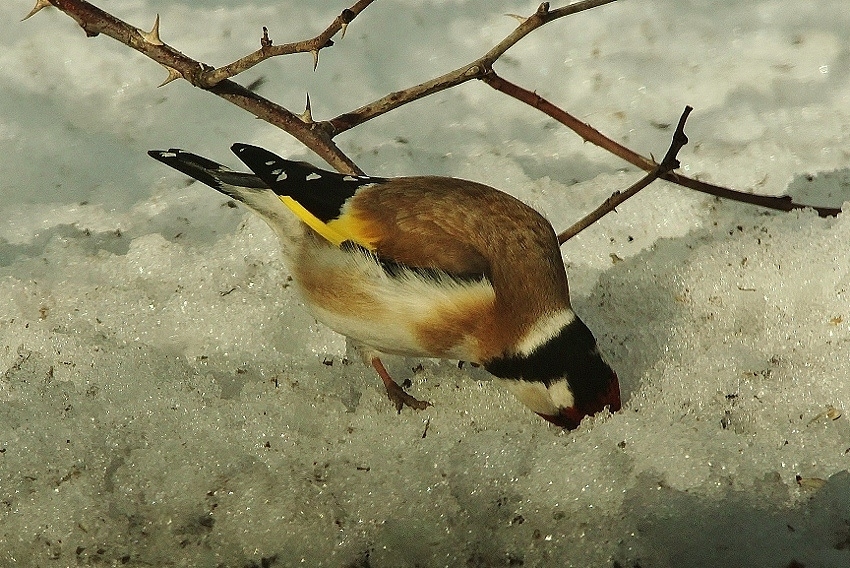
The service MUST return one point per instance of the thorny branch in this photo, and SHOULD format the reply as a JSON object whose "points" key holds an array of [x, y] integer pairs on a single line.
{"points": [[667, 165], [590, 134], [267, 50], [475, 70], [95, 21], [318, 136]]}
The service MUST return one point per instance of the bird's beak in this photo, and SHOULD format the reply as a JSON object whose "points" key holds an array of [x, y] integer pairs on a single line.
{"points": [[571, 417]]}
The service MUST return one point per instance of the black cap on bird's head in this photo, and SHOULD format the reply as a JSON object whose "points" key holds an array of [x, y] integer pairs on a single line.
{"points": [[562, 378]]}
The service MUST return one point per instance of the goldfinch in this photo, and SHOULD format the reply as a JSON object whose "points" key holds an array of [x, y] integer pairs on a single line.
{"points": [[427, 267]]}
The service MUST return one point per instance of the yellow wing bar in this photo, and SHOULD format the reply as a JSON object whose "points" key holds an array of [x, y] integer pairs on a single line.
{"points": [[336, 232]]}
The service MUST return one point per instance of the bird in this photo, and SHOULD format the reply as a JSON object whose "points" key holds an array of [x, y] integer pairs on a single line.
{"points": [[426, 266]]}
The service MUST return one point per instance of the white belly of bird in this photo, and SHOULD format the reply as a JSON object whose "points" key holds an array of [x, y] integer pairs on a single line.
{"points": [[404, 313]]}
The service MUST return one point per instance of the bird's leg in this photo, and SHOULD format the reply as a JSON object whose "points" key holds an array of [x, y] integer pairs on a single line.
{"points": [[395, 393]]}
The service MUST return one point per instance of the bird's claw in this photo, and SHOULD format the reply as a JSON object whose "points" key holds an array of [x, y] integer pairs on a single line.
{"points": [[400, 398], [394, 392]]}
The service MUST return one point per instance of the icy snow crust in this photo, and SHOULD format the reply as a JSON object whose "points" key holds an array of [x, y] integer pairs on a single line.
{"points": [[166, 400]]}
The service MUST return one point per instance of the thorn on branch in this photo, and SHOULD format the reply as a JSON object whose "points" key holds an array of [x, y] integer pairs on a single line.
{"points": [[173, 74], [307, 115], [517, 17], [667, 165], [152, 36], [345, 18], [39, 4], [543, 9], [315, 53], [265, 41]]}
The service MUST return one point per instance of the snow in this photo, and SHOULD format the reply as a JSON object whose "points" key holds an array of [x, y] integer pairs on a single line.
{"points": [[165, 399]]}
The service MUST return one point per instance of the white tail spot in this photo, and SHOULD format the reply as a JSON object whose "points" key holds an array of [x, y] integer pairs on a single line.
{"points": [[282, 175], [349, 178], [313, 176], [270, 163]]}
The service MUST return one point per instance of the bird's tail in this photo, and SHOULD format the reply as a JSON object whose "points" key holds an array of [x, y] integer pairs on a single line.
{"points": [[245, 187], [211, 173]]}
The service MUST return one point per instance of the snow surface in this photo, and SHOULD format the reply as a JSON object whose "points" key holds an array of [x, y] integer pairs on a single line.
{"points": [[167, 401]]}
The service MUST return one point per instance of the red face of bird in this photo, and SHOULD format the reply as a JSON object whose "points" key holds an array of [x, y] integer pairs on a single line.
{"points": [[571, 417], [560, 374]]}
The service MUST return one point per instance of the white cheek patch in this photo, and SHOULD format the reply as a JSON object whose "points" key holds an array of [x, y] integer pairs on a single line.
{"points": [[561, 395], [540, 398], [544, 330], [533, 394]]}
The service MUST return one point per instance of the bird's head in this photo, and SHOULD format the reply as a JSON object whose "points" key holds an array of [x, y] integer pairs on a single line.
{"points": [[558, 372], [570, 417]]}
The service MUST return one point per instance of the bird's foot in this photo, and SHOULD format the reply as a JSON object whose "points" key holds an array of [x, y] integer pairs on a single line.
{"points": [[395, 393]]}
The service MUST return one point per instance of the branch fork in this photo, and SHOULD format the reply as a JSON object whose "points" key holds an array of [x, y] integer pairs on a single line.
{"points": [[318, 136], [667, 165]]}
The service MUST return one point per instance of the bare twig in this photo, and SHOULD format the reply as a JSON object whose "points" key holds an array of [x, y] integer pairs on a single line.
{"points": [[590, 134], [667, 165], [267, 50], [95, 21], [475, 70], [318, 136]]}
